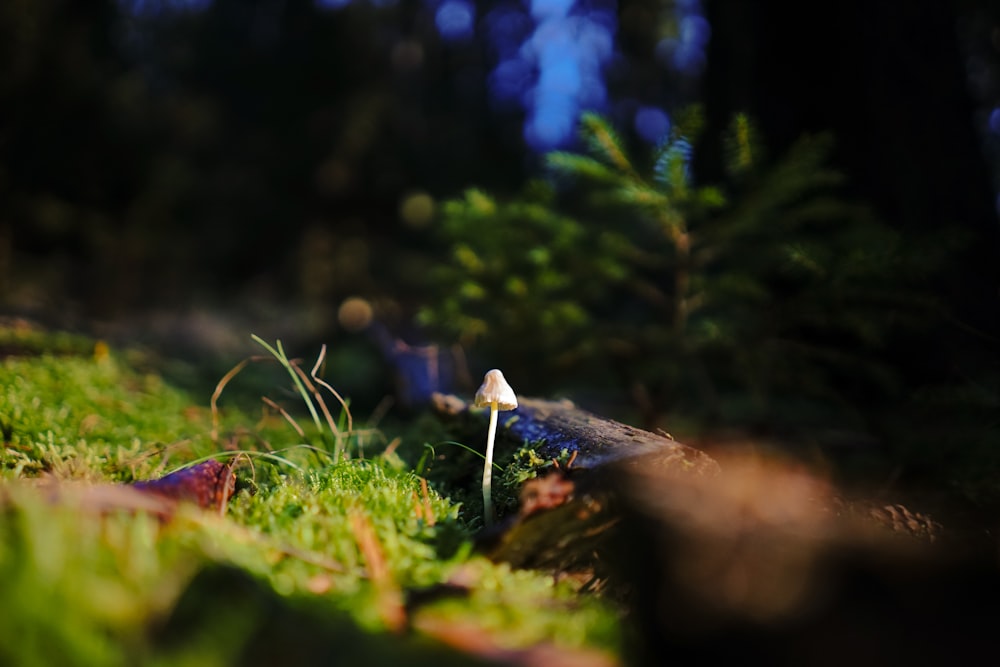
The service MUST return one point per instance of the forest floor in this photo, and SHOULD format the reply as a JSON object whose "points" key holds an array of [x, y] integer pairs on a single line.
{"points": [[333, 546]]}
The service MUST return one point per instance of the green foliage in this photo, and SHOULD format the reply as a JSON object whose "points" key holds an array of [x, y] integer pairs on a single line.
{"points": [[524, 464], [521, 272], [727, 302]]}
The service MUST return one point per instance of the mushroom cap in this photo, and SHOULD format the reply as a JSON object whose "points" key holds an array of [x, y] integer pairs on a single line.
{"points": [[495, 388]]}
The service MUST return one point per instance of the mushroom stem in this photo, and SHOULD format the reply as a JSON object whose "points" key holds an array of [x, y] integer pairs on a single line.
{"points": [[488, 468], [496, 393]]}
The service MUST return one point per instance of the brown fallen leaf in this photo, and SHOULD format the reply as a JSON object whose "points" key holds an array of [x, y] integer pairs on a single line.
{"points": [[209, 485]]}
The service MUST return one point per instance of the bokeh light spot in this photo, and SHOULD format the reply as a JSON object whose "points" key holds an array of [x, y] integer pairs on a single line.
{"points": [[995, 120], [507, 28], [455, 19], [417, 209], [355, 314], [652, 124], [689, 59], [695, 30], [561, 74], [332, 4], [543, 9], [154, 8], [555, 70], [552, 123], [510, 79]]}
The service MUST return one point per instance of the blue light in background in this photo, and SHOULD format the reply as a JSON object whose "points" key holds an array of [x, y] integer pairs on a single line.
{"points": [[685, 53], [550, 55], [551, 121], [652, 124], [507, 26], [546, 9], [510, 79], [995, 120], [555, 70], [694, 29], [154, 7], [455, 19], [688, 59], [559, 69]]}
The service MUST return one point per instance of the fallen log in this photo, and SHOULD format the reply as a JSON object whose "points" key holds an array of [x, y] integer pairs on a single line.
{"points": [[748, 558], [565, 515], [555, 427]]}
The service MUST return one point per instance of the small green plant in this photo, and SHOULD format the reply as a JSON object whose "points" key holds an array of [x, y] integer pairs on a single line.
{"points": [[333, 434]]}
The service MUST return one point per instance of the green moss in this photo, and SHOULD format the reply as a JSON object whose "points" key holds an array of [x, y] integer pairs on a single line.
{"points": [[87, 417], [85, 587], [21, 338]]}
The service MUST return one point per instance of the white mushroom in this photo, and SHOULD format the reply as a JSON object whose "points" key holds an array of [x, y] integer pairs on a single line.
{"points": [[498, 395]]}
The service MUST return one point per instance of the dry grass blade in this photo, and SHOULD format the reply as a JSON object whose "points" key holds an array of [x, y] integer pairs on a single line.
{"points": [[288, 417], [319, 400], [329, 388], [233, 372]]}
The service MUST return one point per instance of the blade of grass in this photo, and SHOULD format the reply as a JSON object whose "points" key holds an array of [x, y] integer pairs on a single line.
{"points": [[270, 456], [325, 385], [469, 449], [343, 403], [337, 437], [278, 352], [214, 403]]}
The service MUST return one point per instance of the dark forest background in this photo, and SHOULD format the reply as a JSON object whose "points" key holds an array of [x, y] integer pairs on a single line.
{"points": [[181, 174]]}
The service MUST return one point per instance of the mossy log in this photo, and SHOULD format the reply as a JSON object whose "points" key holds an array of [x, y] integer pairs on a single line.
{"points": [[747, 555], [555, 427], [565, 516]]}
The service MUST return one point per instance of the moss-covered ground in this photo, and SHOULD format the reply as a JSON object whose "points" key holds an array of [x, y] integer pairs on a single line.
{"points": [[313, 560]]}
